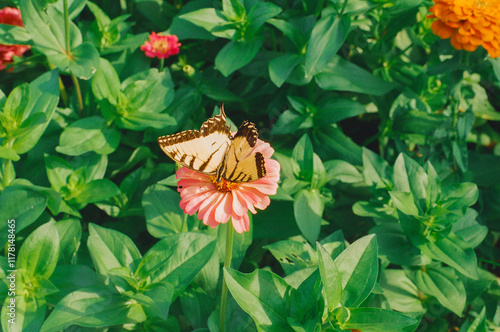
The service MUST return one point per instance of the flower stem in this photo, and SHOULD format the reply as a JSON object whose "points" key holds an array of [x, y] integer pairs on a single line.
{"points": [[66, 27], [69, 55], [227, 263], [162, 64], [78, 94]]}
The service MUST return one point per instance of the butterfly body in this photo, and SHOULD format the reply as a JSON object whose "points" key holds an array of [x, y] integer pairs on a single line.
{"points": [[214, 151]]}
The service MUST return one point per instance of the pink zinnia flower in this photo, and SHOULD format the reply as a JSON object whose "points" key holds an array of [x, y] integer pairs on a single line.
{"points": [[216, 202], [11, 16], [161, 47]]}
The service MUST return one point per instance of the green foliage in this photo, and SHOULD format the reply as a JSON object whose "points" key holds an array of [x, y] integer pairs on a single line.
{"points": [[386, 217]]}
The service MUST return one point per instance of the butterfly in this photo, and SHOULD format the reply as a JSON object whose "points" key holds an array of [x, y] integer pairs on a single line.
{"points": [[214, 151]]}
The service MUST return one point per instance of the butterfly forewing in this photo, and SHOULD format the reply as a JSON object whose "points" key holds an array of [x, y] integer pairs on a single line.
{"points": [[240, 165], [203, 150]]}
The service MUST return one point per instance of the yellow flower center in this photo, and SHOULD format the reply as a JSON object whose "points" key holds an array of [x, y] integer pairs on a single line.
{"points": [[161, 46], [223, 186]]}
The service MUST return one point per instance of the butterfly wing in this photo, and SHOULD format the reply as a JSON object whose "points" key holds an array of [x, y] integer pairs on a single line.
{"points": [[202, 151], [240, 164]]}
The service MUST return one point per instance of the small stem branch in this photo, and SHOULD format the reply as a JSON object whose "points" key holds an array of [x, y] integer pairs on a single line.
{"points": [[227, 263]]}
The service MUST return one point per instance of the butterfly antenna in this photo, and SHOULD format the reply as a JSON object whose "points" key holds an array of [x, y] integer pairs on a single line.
{"points": [[222, 111]]}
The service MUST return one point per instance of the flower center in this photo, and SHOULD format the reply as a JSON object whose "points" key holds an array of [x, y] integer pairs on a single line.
{"points": [[161, 46], [223, 186]]}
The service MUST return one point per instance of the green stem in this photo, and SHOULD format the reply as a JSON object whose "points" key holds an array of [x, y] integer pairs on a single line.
{"points": [[343, 7], [78, 94], [6, 165], [66, 26], [69, 55], [162, 64], [227, 263]]}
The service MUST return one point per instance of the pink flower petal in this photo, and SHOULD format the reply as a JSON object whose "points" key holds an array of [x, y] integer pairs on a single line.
{"points": [[223, 210], [241, 224]]}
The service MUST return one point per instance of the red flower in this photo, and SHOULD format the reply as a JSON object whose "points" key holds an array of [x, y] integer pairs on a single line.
{"points": [[11, 16], [216, 202], [161, 47]]}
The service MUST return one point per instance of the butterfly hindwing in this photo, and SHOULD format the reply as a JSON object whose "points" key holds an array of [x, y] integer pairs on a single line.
{"points": [[203, 150], [240, 165]]}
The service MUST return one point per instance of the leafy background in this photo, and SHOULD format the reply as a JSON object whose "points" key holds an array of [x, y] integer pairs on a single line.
{"points": [[387, 214]]}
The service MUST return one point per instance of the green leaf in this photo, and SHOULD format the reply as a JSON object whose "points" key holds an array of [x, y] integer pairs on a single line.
{"points": [[394, 245], [46, 28], [375, 319], [335, 109], [40, 251], [58, 171], [176, 259], [259, 14], [399, 291], [343, 171], [281, 67], [14, 35], [162, 211], [211, 20], [89, 307], [308, 210], [307, 304], [292, 255], [292, 31], [459, 195], [404, 202], [8, 153], [330, 277], [410, 177], [84, 61], [290, 122], [469, 229], [111, 249], [358, 266], [70, 234], [16, 103], [263, 295], [23, 206], [331, 143], [106, 83], [160, 296], [443, 284], [376, 169], [43, 99], [237, 54], [303, 155], [149, 91], [342, 75], [479, 323], [454, 252], [97, 191], [69, 278], [327, 37], [30, 313], [88, 134], [142, 120]]}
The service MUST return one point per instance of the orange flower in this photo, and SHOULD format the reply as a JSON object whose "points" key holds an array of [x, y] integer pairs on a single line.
{"points": [[10, 16], [469, 24], [161, 47]]}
